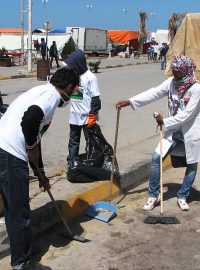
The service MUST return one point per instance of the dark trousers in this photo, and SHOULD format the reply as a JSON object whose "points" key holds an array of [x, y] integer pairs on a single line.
{"points": [[43, 56], [56, 59], [74, 142], [14, 187]]}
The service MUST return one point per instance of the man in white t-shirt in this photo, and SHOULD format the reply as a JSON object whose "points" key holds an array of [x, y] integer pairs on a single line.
{"points": [[21, 128], [85, 103]]}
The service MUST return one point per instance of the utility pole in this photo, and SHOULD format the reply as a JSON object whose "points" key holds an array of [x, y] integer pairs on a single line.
{"points": [[29, 35], [22, 33]]}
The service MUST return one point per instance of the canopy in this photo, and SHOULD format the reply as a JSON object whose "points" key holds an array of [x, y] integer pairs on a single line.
{"points": [[122, 36], [58, 31], [11, 30], [187, 42], [39, 31]]}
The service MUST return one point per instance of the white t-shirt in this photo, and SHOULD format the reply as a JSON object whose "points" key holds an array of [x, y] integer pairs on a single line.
{"points": [[11, 136], [81, 99]]}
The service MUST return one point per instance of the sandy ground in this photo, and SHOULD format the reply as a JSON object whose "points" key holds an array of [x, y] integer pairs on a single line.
{"points": [[126, 242]]}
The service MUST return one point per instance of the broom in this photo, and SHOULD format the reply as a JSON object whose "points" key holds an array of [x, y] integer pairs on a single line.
{"points": [[113, 163], [69, 234], [161, 218]]}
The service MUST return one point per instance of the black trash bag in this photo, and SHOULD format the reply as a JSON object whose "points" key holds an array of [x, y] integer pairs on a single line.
{"points": [[96, 163]]}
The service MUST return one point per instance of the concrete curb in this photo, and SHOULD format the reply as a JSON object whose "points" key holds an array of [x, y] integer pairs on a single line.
{"points": [[73, 207], [34, 74], [18, 76]]}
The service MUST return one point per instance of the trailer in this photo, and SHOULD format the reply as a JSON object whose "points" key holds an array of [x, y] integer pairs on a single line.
{"points": [[91, 41]]}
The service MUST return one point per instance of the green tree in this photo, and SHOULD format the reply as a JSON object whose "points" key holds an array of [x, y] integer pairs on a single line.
{"points": [[142, 31], [174, 22], [69, 47]]}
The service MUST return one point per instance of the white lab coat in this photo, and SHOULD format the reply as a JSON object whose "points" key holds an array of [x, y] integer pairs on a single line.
{"points": [[187, 118]]}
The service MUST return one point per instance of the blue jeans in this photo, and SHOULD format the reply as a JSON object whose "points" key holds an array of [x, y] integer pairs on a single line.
{"points": [[163, 61], [14, 187], [74, 142], [154, 181]]}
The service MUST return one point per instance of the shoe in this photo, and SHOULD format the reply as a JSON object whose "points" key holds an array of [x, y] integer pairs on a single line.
{"points": [[151, 203], [183, 204], [19, 267], [58, 66]]}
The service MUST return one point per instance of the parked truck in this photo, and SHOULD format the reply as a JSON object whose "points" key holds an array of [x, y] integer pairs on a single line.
{"points": [[91, 41]]}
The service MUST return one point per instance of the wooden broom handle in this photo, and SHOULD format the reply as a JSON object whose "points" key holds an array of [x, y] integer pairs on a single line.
{"points": [[114, 154], [161, 172], [40, 177]]}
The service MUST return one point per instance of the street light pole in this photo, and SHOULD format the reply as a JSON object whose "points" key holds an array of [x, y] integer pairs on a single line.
{"points": [[29, 35], [45, 14], [46, 26], [152, 14], [125, 16], [89, 8]]}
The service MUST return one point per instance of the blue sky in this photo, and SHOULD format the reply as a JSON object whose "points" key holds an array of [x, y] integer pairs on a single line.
{"points": [[105, 14]]}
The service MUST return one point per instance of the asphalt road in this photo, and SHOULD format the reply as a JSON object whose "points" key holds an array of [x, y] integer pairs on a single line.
{"points": [[115, 84]]}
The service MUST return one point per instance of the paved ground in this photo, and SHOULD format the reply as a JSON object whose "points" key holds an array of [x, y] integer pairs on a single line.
{"points": [[126, 243], [20, 71], [133, 156]]}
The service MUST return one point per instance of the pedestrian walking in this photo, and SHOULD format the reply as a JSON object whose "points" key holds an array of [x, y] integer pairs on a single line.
{"points": [[21, 128], [85, 103], [149, 53], [53, 52], [155, 51], [163, 52], [43, 48], [182, 137]]}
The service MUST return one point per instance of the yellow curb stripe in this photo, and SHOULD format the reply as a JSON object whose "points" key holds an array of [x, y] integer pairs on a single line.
{"points": [[5, 77], [75, 207]]}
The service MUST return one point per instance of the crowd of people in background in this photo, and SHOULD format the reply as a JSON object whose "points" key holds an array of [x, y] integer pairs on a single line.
{"points": [[3, 52], [154, 53]]}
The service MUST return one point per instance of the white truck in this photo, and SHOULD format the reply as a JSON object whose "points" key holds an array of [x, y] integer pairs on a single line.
{"points": [[91, 41]]}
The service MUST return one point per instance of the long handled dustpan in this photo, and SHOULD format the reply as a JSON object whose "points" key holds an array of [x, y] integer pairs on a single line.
{"points": [[161, 218], [69, 234], [105, 211]]}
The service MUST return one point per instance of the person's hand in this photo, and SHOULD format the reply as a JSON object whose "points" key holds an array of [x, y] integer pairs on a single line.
{"points": [[159, 118], [122, 103], [33, 155], [44, 182], [92, 118]]}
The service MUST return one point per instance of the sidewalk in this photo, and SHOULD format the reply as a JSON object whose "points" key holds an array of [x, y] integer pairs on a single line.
{"points": [[75, 198], [16, 72]]}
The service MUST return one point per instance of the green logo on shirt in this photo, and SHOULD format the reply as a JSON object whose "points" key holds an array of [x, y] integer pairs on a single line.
{"points": [[78, 93]]}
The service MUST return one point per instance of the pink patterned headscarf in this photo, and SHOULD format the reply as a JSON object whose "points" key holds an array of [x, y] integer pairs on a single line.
{"points": [[186, 67]]}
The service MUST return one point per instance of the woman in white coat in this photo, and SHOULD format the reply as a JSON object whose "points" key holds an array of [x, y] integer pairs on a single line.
{"points": [[182, 136]]}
